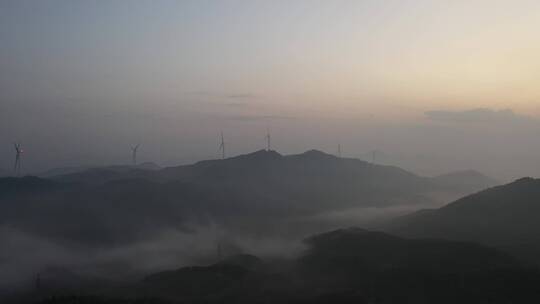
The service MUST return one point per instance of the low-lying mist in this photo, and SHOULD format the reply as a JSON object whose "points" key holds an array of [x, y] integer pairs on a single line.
{"points": [[24, 254]]}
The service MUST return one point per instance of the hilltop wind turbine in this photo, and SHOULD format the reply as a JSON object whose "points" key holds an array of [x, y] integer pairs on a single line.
{"points": [[339, 150], [376, 155], [219, 249], [134, 154], [18, 152], [38, 281], [222, 146], [268, 138]]}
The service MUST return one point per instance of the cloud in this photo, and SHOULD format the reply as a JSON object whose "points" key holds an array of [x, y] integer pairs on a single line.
{"points": [[482, 115], [242, 96], [200, 93], [258, 117], [226, 95], [226, 99], [236, 104]]}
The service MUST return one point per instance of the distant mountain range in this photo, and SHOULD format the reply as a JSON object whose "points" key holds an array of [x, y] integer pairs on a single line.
{"points": [[74, 172], [506, 217], [124, 203], [313, 169]]}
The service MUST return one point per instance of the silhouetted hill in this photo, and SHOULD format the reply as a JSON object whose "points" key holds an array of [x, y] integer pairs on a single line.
{"points": [[100, 175], [308, 180], [356, 250], [328, 178], [504, 216], [148, 166], [24, 186], [200, 281], [355, 266], [97, 174], [381, 268], [311, 164], [63, 171]]}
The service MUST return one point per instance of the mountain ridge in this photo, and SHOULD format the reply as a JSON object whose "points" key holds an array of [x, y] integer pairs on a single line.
{"points": [[502, 216]]}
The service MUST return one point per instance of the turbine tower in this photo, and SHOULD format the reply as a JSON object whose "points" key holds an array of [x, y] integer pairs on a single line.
{"points": [[219, 251], [374, 156], [268, 138], [18, 152], [38, 281], [339, 150], [222, 146], [134, 154]]}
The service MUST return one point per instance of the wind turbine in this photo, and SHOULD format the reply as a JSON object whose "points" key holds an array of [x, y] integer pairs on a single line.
{"points": [[268, 138], [219, 251], [18, 152], [38, 281], [134, 154], [339, 150], [376, 155], [222, 146]]}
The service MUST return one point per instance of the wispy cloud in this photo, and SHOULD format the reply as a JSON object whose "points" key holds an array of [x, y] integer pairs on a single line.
{"points": [[223, 95], [236, 104], [242, 96], [200, 93], [483, 115], [248, 117]]}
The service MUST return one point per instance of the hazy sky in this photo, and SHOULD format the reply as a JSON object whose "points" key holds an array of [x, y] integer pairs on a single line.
{"points": [[80, 81]]}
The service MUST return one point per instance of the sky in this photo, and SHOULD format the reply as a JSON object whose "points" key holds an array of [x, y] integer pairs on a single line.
{"points": [[436, 85]]}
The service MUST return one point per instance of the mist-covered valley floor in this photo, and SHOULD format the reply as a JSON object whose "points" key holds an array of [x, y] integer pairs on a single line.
{"points": [[264, 228]]}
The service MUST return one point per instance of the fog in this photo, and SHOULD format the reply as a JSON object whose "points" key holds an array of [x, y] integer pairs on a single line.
{"points": [[25, 254]]}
